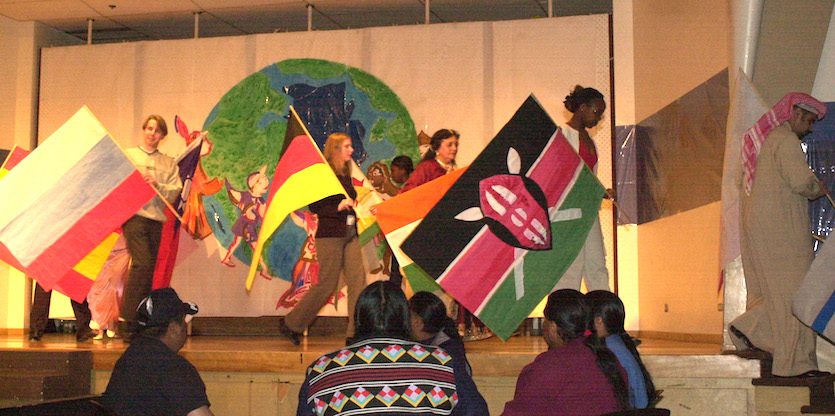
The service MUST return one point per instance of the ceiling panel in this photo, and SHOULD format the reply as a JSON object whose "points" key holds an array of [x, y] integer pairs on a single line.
{"points": [[352, 16], [265, 19], [50, 9], [132, 20], [134, 7]]}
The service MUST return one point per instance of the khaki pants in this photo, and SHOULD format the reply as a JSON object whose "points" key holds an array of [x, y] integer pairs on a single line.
{"points": [[335, 255]]}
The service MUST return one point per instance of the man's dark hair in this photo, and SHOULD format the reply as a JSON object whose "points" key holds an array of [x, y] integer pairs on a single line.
{"points": [[382, 310]]}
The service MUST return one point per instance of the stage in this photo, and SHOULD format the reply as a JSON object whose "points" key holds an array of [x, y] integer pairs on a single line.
{"points": [[260, 375]]}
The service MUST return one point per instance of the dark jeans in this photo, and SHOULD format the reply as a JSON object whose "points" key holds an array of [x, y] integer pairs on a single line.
{"points": [[39, 315], [142, 237]]}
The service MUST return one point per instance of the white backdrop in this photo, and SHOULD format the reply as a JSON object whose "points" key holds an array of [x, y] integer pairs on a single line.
{"points": [[468, 76]]}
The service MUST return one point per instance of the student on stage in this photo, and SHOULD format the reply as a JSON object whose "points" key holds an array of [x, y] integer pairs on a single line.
{"points": [[578, 375], [588, 107], [150, 378], [384, 372], [607, 317], [401, 169], [337, 246], [39, 316], [143, 230]]}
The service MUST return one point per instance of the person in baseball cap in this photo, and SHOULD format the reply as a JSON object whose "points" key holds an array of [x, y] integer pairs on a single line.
{"points": [[150, 378], [162, 307]]}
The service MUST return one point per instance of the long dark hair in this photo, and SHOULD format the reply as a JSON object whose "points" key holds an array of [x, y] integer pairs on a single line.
{"points": [[435, 144], [580, 96], [382, 310], [432, 312], [610, 309], [568, 310]]}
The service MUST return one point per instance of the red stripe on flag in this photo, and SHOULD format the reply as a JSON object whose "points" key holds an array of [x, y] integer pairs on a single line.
{"points": [[90, 230], [488, 258], [15, 157], [167, 255], [556, 169], [75, 285], [305, 154]]}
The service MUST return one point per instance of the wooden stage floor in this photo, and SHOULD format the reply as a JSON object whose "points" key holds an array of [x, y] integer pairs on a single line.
{"points": [[490, 357]]}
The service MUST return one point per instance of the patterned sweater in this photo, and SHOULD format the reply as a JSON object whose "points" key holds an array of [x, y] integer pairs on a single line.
{"points": [[380, 375]]}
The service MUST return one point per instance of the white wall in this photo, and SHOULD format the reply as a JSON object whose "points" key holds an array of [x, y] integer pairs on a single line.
{"points": [[20, 44], [663, 50]]}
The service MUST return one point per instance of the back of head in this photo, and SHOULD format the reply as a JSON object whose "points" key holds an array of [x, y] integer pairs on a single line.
{"points": [[433, 313], [580, 96], [608, 307], [382, 310], [159, 309], [566, 308]]}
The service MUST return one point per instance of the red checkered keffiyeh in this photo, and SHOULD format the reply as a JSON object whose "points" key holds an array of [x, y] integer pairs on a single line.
{"points": [[755, 136]]}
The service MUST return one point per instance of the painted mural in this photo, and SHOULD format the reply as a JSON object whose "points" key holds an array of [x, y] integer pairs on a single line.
{"points": [[247, 128]]}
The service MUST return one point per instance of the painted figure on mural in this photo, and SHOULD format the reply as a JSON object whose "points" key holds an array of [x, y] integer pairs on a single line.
{"points": [[306, 270], [380, 178], [252, 207]]}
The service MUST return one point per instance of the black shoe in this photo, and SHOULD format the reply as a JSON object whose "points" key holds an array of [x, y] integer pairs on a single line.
{"points": [[293, 336], [35, 335], [744, 339], [83, 334], [809, 374]]}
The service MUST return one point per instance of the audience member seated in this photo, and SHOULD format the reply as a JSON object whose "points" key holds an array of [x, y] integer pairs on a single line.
{"points": [[607, 317], [383, 372], [578, 375], [150, 378], [432, 326]]}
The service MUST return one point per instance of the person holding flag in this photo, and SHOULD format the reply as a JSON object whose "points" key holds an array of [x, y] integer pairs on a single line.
{"points": [[143, 231], [337, 245], [588, 107]]}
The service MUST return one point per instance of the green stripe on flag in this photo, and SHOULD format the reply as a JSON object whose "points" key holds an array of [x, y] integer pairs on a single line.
{"points": [[503, 313], [369, 233], [419, 280]]}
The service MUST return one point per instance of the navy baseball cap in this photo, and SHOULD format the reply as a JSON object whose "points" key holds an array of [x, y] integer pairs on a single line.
{"points": [[161, 307]]}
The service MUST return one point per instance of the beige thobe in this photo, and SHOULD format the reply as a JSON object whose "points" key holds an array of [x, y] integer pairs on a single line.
{"points": [[776, 244]]}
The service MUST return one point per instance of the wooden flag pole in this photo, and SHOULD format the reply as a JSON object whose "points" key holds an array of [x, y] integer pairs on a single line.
{"points": [[621, 211]]}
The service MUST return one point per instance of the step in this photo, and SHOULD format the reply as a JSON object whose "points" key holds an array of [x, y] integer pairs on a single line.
{"points": [[44, 375]]}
